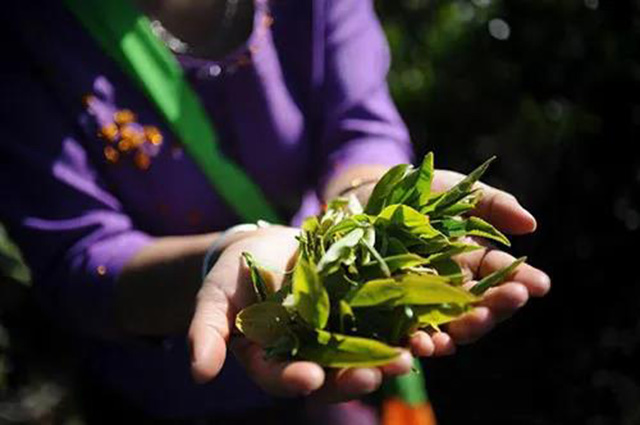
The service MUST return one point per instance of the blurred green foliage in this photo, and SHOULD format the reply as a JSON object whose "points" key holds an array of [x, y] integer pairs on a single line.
{"points": [[11, 263]]}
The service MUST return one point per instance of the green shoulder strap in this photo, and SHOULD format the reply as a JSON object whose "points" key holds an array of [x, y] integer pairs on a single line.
{"points": [[125, 34]]}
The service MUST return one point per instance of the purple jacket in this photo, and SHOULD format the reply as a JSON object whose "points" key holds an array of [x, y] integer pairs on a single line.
{"points": [[310, 101]]}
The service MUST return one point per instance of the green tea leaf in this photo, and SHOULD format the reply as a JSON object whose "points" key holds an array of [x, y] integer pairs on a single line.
{"points": [[409, 289], [383, 188], [435, 315], [337, 350], [450, 269], [453, 227], [478, 227], [346, 316], [260, 286], [465, 205], [394, 263], [395, 247], [380, 262], [340, 251], [407, 218], [310, 297], [496, 277], [404, 190], [404, 319], [453, 249], [457, 227], [263, 323], [425, 178], [284, 347], [462, 189]]}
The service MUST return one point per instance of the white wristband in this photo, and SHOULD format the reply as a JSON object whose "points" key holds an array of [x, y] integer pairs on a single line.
{"points": [[214, 250]]}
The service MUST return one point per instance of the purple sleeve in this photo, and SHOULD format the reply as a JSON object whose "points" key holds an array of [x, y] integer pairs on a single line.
{"points": [[73, 233], [360, 122]]}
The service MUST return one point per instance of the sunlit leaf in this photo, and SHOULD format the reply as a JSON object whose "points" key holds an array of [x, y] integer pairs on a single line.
{"points": [[263, 323], [337, 350], [407, 218], [478, 227], [260, 286], [425, 179], [340, 250], [383, 188], [435, 315], [310, 297], [462, 189], [496, 277], [409, 289]]}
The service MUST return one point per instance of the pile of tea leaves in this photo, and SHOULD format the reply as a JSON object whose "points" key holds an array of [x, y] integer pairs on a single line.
{"points": [[368, 277]]}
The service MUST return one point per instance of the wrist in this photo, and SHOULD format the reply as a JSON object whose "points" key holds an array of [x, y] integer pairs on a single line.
{"points": [[224, 240], [358, 180]]}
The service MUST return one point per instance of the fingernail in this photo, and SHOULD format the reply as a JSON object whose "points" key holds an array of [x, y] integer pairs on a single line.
{"points": [[529, 217]]}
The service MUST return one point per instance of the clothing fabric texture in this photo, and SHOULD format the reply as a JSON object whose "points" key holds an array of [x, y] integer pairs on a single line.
{"points": [[304, 100]]}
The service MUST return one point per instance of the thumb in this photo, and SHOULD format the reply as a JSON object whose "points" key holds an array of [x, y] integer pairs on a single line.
{"points": [[209, 331]]}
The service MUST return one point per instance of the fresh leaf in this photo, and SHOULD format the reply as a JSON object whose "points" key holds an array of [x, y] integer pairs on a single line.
{"points": [[285, 346], [346, 316], [311, 300], [260, 286], [340, 251], [462, 189], [496, 277], [457, 227], [337, 350], [450, 269], [394, 263], [425, 179], [453, 249], [465, 205], [478, 227], [382, 264], [383, 188], [435, 315], [407, 218], [263, 323], [404, 319], [409, 289]]}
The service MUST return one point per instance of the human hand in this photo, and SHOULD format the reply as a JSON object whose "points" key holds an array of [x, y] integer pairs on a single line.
{"points": [[503, 211], [227, 289]]}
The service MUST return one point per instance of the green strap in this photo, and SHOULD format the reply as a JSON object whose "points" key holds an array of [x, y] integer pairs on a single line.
{"points": [[125, 34], [409, 388]]}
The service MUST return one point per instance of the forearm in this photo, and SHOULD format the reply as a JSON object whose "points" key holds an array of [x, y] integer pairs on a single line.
{"points": [[156, 290]]}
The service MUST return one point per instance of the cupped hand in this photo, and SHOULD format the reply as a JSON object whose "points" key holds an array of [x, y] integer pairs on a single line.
{"points": [[505, 212], [227, 289]]}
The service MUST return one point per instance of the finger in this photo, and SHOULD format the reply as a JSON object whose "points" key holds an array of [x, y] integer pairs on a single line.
{"points": [[471, 326], [208, 333], [399, 366], [282, 379], [484, 262], [497, 207], [443, 343], [504, 211], [505, 300], [421, 344], [348, 384]]}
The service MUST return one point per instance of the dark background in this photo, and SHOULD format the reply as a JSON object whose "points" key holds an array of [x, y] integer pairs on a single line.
{"points": [[552, 88]]}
